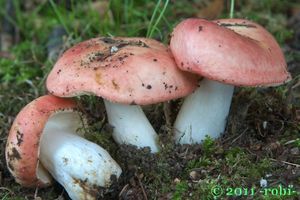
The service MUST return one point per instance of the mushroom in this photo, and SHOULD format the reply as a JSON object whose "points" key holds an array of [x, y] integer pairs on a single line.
{"points": [[45, 138], [127, 73], [228, 53]]}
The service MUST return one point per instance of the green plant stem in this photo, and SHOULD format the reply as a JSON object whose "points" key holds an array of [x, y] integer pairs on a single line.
{"points": [[60, 18], [231, 9], [152, 18], [151, 28], [159, 18]]}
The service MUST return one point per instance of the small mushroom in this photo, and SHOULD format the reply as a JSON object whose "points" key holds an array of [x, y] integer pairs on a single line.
{"points": [[228, 53], [45, 139], [127, 73]]}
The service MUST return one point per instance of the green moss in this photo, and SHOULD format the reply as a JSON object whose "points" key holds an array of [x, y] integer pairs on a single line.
{"points": [[181, 189]]}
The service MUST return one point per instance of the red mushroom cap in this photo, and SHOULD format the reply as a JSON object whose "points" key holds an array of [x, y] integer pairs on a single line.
{"points": [[124, 70], [232, 51], [22, 148]]}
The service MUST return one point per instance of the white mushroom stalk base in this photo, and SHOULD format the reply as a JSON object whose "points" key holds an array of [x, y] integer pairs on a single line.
{"points": [[80, 166], [131, 126], [203, 113]]}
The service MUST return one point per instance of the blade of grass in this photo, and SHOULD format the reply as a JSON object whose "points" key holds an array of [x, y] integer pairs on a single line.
{"points": [[153, 17], [159, 18], [126, 11], [231, 9], [59, 16], [159, 32]]}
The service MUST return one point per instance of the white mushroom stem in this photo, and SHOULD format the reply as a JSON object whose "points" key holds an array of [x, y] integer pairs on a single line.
{"points": [[204, 112], [79, 165], [131, 126]]}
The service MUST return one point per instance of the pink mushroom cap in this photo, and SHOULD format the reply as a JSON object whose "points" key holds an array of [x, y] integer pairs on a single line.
{"points": [[232, 51], [22, 148], [123, 70]]}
